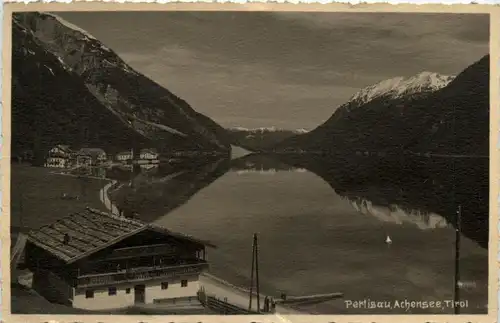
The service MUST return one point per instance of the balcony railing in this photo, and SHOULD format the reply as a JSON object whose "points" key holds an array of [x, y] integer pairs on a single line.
{"points": [[140, 274]]}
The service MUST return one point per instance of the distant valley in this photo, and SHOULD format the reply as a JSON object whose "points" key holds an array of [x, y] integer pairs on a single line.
{"points": [[260, 139]]}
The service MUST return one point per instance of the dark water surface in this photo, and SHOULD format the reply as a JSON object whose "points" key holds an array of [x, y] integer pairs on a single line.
{"points": [[322, 224]]}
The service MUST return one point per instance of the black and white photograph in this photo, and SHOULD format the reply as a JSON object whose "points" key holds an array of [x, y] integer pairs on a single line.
{"points": [[274, 162]]}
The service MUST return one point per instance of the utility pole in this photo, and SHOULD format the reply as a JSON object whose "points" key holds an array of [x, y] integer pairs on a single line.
{"points": [[251, 275], [255, 268], [458, 229], [457, 259]]}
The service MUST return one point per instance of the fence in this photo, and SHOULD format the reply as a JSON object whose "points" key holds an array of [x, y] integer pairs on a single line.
{"points": [[221, 306], [177, 300]]}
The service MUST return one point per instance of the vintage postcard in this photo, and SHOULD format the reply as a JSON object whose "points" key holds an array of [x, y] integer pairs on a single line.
{"points": [[250, 162]]}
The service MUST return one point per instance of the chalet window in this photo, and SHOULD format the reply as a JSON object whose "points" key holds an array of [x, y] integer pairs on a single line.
{"points": [[89, 294], [164, 285], [184, 283], [127, 290], [112, 291]]}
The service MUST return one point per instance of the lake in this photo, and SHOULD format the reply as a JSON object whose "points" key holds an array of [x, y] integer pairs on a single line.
{"points": [[322, 225]]}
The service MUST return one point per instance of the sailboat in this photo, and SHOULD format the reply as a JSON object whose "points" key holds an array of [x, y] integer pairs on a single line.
{"points": [[388, 240]]}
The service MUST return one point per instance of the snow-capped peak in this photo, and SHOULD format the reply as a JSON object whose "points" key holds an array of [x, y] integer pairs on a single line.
{"points": [[302, 130], [84, 33], [399, 86], [70, 25], [268, 129]]}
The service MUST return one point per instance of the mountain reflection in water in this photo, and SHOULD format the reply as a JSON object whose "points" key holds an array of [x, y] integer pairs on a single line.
{"points": [[433, 186], [261, 164], [153, 192], [422, 191], [323, 230], [399, 215]]}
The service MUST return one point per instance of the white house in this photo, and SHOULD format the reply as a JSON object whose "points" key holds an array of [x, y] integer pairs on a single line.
{"points": [[124, 156], [117, 263], [58, 162], [62, 150], [90, 156], [58, 156], [148, 154]]}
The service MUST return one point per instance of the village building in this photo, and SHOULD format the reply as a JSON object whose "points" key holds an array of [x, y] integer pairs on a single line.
{"points": [[59, 156], [99, 261], [83, 160], [148, 154], [124, 156], [90, 157]]}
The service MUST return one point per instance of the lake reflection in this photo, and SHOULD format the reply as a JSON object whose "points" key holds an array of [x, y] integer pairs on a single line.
{"points": [[323, 230], [398, 215], [154, 192]]}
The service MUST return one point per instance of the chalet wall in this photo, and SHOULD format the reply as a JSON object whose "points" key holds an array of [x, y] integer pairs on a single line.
{"points": [[56, 162], [154, 291], [52, 287], [102, 300]]}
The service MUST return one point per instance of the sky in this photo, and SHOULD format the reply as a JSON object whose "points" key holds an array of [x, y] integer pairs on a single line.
{"points": [[283, 69]]}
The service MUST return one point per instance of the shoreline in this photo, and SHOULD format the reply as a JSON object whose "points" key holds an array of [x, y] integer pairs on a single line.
{"points": [[222, 289], [106, 201]]}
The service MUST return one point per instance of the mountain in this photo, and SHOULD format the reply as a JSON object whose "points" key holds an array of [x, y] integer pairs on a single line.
{"points": [[52, 106], [427, 113], [260, 139], [84, 94], [400, 87]]}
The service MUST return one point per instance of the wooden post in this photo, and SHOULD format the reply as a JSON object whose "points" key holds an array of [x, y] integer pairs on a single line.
{"points": [[251, 275], [457, 259], [257, 271], [457, 226]]}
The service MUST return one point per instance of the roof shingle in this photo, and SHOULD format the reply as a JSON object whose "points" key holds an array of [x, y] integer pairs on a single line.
{"points": [[92, 230]]}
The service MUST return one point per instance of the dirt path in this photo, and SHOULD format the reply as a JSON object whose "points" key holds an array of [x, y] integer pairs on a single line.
{"points": [[103, 195]]}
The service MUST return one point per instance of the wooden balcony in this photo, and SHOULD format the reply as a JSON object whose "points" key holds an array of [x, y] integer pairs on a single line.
{"points": [[140, 274]]}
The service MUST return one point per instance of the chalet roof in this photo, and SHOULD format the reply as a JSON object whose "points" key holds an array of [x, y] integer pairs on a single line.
{"points": [[148, 150], [63, 148], [91, 151], [124, 153], [91, 230]]}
